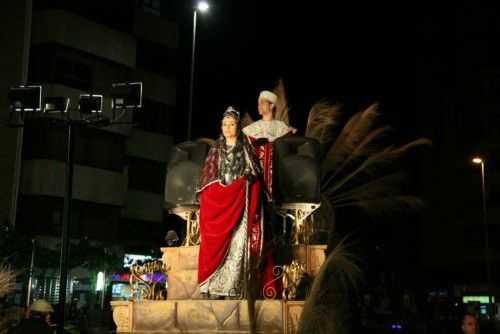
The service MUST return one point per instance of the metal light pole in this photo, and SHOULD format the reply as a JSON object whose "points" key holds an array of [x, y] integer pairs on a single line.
{"points": [[202, 7], [30, 281], [480, 161], [68, 196]]}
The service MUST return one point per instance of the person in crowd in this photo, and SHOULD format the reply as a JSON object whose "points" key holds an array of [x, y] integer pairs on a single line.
{"points": [[38, 319], [83, 322], [231, 220], [469, 324], [13, 316]]}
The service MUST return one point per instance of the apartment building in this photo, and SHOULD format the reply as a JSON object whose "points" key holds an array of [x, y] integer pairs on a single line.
{"points": [[84, 47]]}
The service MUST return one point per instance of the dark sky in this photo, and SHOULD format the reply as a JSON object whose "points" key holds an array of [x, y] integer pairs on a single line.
{"points": [[355, 54]]}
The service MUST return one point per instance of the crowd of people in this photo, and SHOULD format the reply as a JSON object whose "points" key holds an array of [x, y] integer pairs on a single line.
{"points": [[42, 317], [37, 318]]}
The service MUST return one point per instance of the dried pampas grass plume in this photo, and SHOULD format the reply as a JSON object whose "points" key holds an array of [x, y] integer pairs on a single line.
{"points": [[281, 104], [322, 121], [7, 279], [246, 120]]}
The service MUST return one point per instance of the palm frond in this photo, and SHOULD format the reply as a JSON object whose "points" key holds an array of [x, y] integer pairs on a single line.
{"points": [[326, 210], [338, 274], [322, 120], [381, 196], [365, 148], [7, 277], [359, 169], [246, 120], [7, 280], [353, 133], [373, 164], [281, 104], [385, 185]]}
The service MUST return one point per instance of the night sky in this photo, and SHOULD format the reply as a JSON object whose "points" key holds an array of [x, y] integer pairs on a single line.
{"points": [[354, 54], [420, 61]]}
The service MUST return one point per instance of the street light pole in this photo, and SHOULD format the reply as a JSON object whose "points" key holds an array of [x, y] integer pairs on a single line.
{"points": [[30, 281], [202, 6], [68, 197], [486, 237]]}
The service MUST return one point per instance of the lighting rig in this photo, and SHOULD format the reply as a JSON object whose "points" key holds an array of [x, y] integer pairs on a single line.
{"points": [[27, 109]]}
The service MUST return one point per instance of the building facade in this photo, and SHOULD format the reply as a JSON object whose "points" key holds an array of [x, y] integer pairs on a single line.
{"points": [[118, 169]]}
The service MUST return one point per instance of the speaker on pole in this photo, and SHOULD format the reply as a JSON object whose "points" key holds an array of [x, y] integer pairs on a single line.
{"points": [[296, 175], [183, 172]]}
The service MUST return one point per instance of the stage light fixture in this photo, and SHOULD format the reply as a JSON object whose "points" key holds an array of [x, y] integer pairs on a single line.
{"points": [[55, 104], [89, 103], [25, 98], [126, 95]]}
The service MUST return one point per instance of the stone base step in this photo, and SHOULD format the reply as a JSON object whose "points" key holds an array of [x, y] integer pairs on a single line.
{"points": [[192, 332], [183, 284], [205, 316], [186, 257]]}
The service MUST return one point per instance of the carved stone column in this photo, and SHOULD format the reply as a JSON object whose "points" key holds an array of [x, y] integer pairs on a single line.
{"points": [[122, 315]]}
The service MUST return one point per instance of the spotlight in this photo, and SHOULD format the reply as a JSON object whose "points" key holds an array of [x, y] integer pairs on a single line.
{"points": [[25, 98], [55, 104], [126, 95], [89, 104]]}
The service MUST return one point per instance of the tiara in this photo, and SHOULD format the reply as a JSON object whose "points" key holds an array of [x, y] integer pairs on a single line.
{"points": [[230, 111]]}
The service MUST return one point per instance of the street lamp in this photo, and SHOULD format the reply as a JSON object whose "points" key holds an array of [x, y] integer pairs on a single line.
{"points": [[480, 161], [30, 281], [202, 7]]}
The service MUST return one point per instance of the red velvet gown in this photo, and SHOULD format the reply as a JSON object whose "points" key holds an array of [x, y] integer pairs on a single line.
{"points": [[231, 226]]}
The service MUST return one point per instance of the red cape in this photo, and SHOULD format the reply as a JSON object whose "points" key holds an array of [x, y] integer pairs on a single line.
{"points": [[222, 210]]}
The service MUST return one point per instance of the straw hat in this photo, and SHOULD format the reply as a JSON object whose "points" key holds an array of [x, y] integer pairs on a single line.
{"points": [[41, 305]]}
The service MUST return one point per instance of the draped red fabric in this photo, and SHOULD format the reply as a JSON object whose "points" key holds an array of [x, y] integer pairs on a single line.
{"points": [[265, 156], [260, 245], [222, 210], [270, 288]]}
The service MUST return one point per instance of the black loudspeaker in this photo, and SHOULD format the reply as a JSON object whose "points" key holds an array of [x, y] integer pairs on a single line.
{"points": [[296, 176], [183, 172]]}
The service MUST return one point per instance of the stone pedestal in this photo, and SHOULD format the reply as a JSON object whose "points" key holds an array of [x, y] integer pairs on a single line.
{"points": [[196, 316], [312, 256], [185, 312], [291, 315]]}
